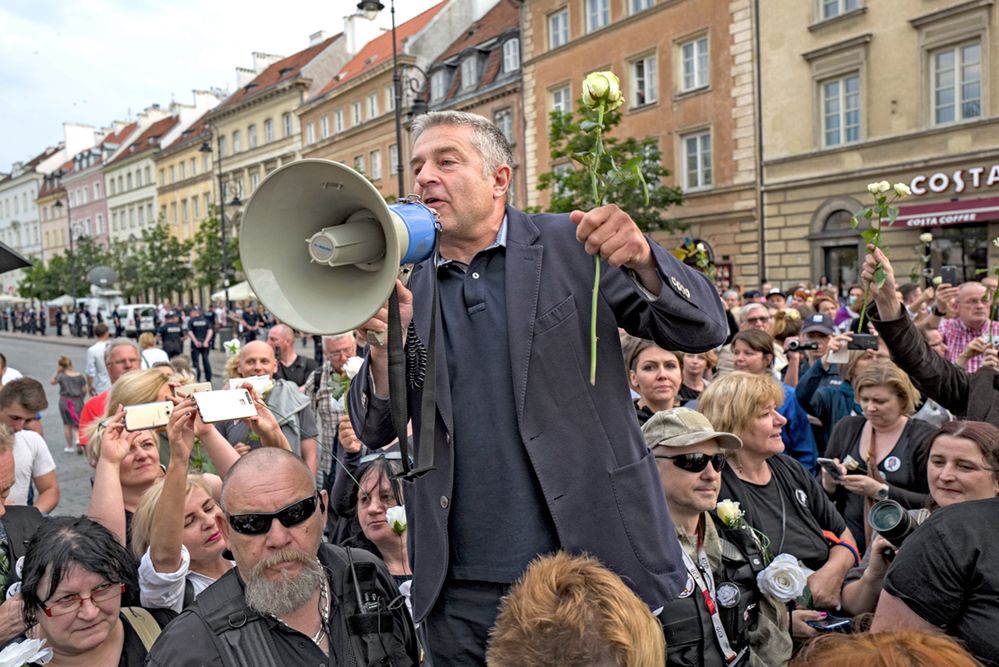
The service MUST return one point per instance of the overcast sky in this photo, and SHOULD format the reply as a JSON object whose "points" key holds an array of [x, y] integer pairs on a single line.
{"points": [[94, 61]]}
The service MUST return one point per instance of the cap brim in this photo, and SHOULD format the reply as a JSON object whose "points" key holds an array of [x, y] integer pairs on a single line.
{"points": [[821, 329], [725, 440], [10, 259]]}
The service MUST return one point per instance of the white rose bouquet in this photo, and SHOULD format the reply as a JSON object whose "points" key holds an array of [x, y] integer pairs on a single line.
{"points": [[27, 652], [884, 196], [784, 579]]}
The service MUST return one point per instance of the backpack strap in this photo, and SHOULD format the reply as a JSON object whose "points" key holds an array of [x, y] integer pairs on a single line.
{"points": [[144, 625]]}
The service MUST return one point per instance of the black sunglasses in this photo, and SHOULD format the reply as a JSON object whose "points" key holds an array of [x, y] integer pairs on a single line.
{"points": [[290, 515], [696, 462]]}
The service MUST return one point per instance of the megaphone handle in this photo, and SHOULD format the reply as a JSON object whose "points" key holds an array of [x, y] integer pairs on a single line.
{"points": [[397, 378]]}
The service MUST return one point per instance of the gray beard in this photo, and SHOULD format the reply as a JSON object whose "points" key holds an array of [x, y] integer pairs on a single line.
{"points": [[289, 593]]}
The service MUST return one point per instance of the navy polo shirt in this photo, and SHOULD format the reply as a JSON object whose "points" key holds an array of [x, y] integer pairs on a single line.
{"points": [[496, 498]]}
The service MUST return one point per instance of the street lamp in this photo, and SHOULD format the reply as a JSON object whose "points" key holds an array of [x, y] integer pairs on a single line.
{"points": [[206, 147], [374, 6]]}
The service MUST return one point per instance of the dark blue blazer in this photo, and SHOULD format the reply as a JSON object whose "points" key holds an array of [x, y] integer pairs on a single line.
{"points": [[598, 478]]}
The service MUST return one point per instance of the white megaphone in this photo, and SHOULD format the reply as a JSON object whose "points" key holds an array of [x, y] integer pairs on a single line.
{"points": [[321, 248]]}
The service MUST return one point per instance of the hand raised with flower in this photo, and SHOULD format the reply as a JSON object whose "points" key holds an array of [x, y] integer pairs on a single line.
{"points": [[877, 215]]}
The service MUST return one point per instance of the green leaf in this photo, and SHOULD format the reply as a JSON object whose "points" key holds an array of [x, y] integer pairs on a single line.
{"points": [[892, 214], [880, 277], [868, 213], [854, 223], [583, 158], [589, 125], [869, 235]]}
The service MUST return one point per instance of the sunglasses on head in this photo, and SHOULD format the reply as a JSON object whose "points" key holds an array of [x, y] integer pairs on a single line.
{"points": [[696, 462], [290, 515]]}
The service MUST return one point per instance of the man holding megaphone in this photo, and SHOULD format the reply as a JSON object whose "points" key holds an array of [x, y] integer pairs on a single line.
{"points": [[529, 456]]}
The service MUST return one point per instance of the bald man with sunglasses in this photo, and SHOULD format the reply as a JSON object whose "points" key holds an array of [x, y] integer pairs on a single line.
{"points": [[720, 616], [293, 595]]}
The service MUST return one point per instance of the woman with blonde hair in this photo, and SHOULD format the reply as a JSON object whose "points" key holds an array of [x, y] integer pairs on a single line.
{"points": [[879, 455], [150, 354], [72, 390]]}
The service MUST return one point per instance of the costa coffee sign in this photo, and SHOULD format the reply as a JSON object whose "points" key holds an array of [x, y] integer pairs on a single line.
{"points": [[959, 180], [942, 214]]}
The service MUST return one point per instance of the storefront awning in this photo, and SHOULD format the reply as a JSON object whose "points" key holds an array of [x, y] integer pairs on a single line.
{"points": [[943, 214]]}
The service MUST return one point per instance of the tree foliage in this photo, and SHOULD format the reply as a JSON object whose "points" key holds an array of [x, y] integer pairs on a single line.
{"points": [[208, 253], [570, 184]]}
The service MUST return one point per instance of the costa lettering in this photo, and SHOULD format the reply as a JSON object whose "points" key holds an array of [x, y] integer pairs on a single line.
{"points": [[960, 180]]}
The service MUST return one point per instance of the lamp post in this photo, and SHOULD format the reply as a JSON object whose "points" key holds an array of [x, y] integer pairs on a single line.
{"points": [[206, 147], [69, 229]]}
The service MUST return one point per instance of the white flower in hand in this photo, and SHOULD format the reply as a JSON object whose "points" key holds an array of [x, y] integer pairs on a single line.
{"points": [[937, 280], [902, 190], [352, 367], [231, 347], [28, 651], [784, 579], [396, 518], [729, 512], [926, 237]]}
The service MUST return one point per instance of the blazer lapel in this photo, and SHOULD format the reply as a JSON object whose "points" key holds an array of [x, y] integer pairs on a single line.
{"points": [[422, 282], [523, 285]]}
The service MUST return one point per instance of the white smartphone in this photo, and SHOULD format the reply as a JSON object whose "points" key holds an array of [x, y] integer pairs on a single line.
{"points": [[840, 356], [224, 404], [185, 390], [145, 416], [260, 383]]}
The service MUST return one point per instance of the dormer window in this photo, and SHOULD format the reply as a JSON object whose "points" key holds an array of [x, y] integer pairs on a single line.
{"points": [[469, 72], [285, 70], [511, 55], [438, 84]]}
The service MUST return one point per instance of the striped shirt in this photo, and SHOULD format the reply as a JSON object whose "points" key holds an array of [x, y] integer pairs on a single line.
{"points": [[958, 337]]}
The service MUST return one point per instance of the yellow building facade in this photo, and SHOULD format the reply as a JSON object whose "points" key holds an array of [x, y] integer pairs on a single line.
{"points": [[185, 182]]}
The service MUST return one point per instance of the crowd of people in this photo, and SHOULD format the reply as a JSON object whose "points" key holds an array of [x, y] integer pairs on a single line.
{"points": [[709, 499]]}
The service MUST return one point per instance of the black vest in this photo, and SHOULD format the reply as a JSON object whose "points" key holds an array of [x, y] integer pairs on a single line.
{"points": [[690, 637]]}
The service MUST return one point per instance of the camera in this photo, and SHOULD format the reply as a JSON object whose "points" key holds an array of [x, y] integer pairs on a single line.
{"points": [[892, 522], [863, 342], [795, 346]]}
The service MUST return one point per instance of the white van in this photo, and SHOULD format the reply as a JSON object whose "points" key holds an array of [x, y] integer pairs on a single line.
{"points": [[137, 318]]}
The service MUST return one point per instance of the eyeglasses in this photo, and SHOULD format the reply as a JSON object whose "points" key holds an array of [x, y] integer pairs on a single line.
{"points": [[70, 603], [757, 320], [290, 515], [696, 462]]}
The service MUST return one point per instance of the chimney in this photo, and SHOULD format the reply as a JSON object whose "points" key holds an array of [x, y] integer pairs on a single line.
{"points": [[262, 61], [244, 76], [317, 37], [358, 29]]}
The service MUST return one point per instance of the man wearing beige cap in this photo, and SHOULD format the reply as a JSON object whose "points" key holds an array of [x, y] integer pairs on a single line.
{"points": [[720, 617]]}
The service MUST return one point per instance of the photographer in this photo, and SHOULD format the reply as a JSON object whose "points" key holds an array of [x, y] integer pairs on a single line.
{"points": [[934, 376]]}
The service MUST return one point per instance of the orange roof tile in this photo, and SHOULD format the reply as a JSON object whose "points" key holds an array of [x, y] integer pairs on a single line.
{"points": [[379, 50], [118, 137], [283, 70], [496, 21], [149, 139]]}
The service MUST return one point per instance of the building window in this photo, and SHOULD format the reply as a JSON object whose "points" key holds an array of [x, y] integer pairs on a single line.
{"points": [[173, 174], [469, 72], [268, 131], [237, 141], [194, 166], [558, 28], [504, 121], [173, 213], [222, 145], [121, 188], [561, 100], [254, 182], [149, 176], [636, 6], [207, 198], [372, 106], [251, 136], [182, 169], [644, 81], [438, 84], [206, 163], [338, 120], [359, 164], [511, 55], [142, 216], [100, 224], [511, 191], [597, 14], [310, 133], [833, 8], [114, 220], [324, 126], [149, 212], [394, 158], [355, 114], [697, 161], [195, 208], [97, 191], [184, 210], [389, 98], [286, 123], [376, 164], [957, 82], [841, 110], [128, 180], [694, 64]]}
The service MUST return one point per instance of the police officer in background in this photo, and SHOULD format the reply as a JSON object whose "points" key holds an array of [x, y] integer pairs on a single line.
{"points": [[171, 335], [200, 333]]}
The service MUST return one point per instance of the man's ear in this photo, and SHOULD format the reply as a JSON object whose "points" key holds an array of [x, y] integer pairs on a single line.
{"points": [[501, 180]]}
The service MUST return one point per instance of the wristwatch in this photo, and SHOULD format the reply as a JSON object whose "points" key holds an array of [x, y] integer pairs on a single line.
{"points": [[883, 492], [938, 312]]}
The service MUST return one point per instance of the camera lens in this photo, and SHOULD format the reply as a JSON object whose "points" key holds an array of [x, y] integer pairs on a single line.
{"points": [[889, 519]]}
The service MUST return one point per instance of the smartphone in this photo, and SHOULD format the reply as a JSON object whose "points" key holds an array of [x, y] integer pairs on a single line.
{"points": [[260, 383], [861, 341], [831, 624], [145, 416], [224, 404], [840, 356], [185, 390], [830, 467], [948, 274]]}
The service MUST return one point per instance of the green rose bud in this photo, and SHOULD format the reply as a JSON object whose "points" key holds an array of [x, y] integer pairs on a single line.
{"points": [[602, 87]]}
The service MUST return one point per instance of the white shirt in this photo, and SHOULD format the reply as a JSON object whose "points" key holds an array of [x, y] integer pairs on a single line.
{"points": [[153, 355], [31, 459], [96, 369], [165, 590], [10, 374]]}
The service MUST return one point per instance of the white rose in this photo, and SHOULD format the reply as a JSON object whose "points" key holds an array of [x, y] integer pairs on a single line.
{"points": [[28, 651], [873, 188], [783, 579], [926, 237], [352, 367], [729, 512], [231, 346], [884, 186], [995, 242], [902, 190], [602, 86], [396, 518], [701, 248], [937, 280]]}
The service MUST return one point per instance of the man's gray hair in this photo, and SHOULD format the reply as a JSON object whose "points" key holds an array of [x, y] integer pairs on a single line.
{"points": [[118, 342], [340, 336], [486, 137], [749, 308]]}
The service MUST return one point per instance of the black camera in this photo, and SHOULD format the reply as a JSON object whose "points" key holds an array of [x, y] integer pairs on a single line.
{"points": [[795, 346], [892, 522]]}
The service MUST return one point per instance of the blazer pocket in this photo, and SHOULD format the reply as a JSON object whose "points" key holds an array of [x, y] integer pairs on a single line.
{"points": [[555, 316], [636, 487]]}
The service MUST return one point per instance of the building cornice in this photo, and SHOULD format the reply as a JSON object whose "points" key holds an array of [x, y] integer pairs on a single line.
{"points": [[844, 45], [947, 12]]}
